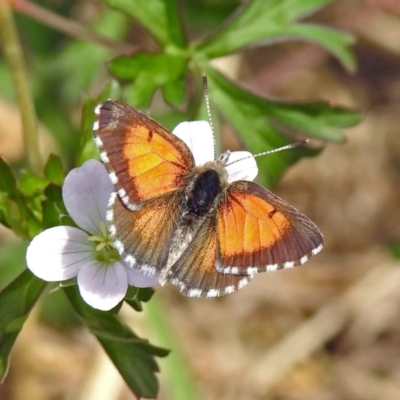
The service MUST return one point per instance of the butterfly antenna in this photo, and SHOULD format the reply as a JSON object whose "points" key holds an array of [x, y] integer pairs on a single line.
{"points": [[207, 99], [287, 147]]}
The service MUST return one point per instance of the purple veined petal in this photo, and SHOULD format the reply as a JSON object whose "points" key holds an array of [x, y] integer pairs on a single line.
{"points": [[101, 286], [241, 166], [140, 280], [199, 138], [86, 192], [59, 253]]}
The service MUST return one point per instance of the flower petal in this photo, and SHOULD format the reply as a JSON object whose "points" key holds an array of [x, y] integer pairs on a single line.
{"points": [[101, 286], [199, 138], [58, 253], [241, 166], [140, 280], [86, 192]]}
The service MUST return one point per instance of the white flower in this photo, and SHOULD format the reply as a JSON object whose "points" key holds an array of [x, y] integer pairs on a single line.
{"points": [[198, 136], [65, 252]]}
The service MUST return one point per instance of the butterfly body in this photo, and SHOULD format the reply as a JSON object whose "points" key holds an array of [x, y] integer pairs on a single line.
{"points": [[189, 222], [207, 187]]}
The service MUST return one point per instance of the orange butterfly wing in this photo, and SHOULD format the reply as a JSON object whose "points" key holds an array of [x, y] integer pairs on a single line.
{"points": [[258, 231], [144, 159], [194, 272]]}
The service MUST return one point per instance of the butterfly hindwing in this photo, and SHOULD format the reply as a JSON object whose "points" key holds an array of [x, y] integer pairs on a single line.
{"points": [[143, 237], [258, 231], [144, 159], [194, 272]]}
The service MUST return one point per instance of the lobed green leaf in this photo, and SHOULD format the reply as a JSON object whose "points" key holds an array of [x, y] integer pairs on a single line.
{"points": [[31, 184], [16, 302], [257, 120], [266, 21], [132, 356], [159, 17], [150, 72]]}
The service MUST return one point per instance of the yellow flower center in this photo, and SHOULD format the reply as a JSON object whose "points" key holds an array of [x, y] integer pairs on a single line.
{"points": [[105, 250]]}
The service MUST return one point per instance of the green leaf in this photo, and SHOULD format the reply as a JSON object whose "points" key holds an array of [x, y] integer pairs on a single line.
{"points": [[8, 182], [53, 206], [256, 119], [132, 356], [31, 184], [336, 42], [145, 294], [15, 211], [135, 296], [174, 91], [264, 21], [16, 214], [16, 301], [53, 169], [10, 216], [317, 119], [12, 260], [148, 73], [56, 310], [159, 17]]}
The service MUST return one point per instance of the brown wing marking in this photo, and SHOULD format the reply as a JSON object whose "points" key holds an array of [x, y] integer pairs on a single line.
{"points": [[258, 231], [144, 159]]}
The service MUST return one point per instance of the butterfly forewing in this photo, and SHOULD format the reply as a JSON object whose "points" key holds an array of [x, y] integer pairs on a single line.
{"points": [[258, 231], [144, 159]]}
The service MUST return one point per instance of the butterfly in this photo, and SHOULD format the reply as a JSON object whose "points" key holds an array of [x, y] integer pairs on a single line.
{"points": [[193, 222]]}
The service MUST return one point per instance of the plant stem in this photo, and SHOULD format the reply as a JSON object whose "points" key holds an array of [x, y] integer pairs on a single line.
{"points": [[69, 27], [13, 53], [180, 382]]}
